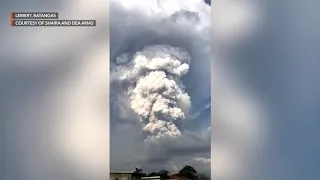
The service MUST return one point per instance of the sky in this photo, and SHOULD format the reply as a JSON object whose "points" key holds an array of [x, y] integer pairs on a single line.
{"points": [[264, 92], [154, 29]]}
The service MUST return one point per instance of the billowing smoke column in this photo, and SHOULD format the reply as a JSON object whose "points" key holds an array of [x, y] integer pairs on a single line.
{"points": [[156, 93]]}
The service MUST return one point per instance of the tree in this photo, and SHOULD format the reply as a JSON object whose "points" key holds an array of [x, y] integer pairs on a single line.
{"points": [[139, 172], [152, 174], [188, 172], [164, 174], [203, 176]]}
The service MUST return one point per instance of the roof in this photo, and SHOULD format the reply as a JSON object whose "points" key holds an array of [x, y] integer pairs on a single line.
{"points": [[153, 177]]}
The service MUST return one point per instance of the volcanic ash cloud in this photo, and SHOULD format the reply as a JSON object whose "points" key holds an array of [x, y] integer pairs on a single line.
{"points": [[152, 79]]}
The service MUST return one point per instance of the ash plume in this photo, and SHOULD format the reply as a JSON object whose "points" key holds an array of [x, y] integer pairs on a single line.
{"points": [[153, 83], [160, 54]]}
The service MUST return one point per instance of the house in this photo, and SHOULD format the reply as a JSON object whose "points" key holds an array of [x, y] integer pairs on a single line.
{"points": [[177, 177], [130, 175], [124, 175]]}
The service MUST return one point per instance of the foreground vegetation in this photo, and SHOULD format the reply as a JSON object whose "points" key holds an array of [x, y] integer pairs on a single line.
{"points": [[187, 172]]}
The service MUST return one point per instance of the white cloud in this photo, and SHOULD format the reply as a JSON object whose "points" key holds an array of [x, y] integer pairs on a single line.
{"points": [[136, 25]]}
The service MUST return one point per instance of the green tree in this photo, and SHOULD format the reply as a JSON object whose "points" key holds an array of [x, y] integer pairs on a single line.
{"points": [[188, 172], [139, 172], [164, 174], [204, 176], [152, 174]]}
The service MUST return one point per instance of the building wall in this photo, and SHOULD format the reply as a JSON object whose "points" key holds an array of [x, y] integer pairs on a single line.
{"points": [[135, 178], [120, 176]]}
